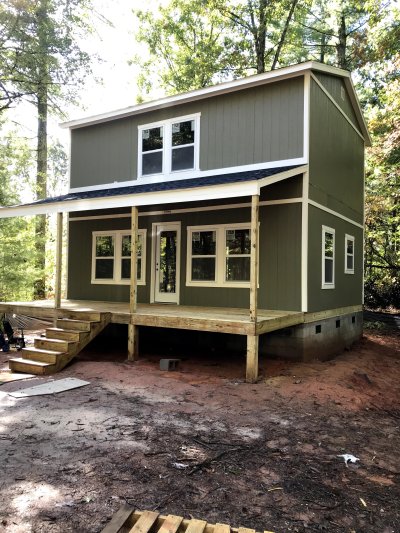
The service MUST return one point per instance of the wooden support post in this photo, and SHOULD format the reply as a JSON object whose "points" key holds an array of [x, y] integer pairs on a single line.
{"points": [[254, 257], [252, 359], [58, 276], [133, 345]]}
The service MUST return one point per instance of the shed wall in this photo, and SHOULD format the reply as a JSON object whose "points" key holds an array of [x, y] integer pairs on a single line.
{"points": [[249, 126]]}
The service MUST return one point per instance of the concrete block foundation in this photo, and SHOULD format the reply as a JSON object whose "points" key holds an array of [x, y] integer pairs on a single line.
{"points": [[320, 340]]}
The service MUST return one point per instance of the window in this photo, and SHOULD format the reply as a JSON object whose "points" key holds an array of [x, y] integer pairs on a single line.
{"points": [[349, 254], [111, 260], [169, 147], [219, 256], [328, 258]]}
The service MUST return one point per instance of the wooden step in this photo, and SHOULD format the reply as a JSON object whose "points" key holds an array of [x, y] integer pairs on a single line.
{"points": [[75, 325], [29, 366], [43, 356], [59, 345], [65, 334], [90, 316]]}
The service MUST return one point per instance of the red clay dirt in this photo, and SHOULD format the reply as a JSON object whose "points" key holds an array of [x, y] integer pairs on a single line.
{"points": [[200, 442]]}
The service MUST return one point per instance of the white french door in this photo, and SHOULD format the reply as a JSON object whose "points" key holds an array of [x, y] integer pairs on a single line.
{"points": [[167, 262]]}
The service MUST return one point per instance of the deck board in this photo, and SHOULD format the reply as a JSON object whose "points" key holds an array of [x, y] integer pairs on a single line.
{"points": [[214, 319]]}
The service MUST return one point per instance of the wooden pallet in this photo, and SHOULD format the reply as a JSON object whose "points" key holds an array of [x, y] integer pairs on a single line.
{"points": [[126, 520]]}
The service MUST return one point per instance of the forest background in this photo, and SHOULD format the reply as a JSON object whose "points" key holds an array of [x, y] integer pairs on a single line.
{"points": [[48, 62]]}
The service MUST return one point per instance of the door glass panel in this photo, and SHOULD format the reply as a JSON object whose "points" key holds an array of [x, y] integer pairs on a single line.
{"points": [[167, 262]]}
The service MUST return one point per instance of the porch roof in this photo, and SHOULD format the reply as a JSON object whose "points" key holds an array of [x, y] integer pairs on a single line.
{"points": [[218, 186]]}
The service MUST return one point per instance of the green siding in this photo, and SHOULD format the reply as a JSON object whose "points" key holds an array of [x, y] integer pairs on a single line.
{"points": [[280, 247], [248, 126], [348, 287], [334, 86], [280, 257], [289, 188], [336, 159]]}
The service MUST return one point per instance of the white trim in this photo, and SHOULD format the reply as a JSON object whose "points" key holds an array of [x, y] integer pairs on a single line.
{"points": [[306, 117], [304, 244], [193, 174], [330, 97], [349, 238], [167, 149], [191, 210], [269, 180], [325, 284], [156, 227], [220, 255], [335, 213], [117, 258], [207, 92]]}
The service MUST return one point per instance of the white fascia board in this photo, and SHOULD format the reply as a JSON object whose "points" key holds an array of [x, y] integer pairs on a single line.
{"points": [[269, 180], [357, 109], [207, 92], [232, 190]]}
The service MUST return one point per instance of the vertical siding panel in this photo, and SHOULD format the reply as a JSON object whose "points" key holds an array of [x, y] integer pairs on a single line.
{"points": [[258, 127]]}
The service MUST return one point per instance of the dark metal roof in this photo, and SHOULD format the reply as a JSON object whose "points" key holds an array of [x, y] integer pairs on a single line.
{"points": [[206, 181]]}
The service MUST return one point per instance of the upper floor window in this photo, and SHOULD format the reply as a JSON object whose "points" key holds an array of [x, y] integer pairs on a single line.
{"points": [[111, 258], [169, 146], [328, 258], [348, 254]]}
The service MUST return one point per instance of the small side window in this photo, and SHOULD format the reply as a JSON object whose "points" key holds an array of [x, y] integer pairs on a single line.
{"points": [[328, 258], [349, 254]]}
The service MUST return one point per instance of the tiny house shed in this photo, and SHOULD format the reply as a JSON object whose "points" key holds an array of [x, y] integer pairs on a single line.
{"points": [[236, 208]]}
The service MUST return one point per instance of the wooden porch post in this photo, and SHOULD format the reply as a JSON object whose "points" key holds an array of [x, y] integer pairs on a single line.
{"points": [[133, 345], [252, 340], [58, 276]]}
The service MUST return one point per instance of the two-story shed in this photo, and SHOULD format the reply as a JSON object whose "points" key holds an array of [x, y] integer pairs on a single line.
{"points": [[236, 208]]}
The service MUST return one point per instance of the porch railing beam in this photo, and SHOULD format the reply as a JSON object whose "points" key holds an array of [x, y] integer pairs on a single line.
{"points": [[132, 329]]}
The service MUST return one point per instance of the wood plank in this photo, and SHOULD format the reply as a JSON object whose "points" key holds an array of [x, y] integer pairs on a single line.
{"points": [[222, 528], [171, 524], [118, 519], [254, 235], [329, 313], [279, 322], [58, 276], [252, 359], [246, 530], [145, 522], [196, 526], [133, 344]]}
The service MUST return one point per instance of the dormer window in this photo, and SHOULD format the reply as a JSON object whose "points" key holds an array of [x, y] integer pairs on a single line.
{"points": [[169, 147]]}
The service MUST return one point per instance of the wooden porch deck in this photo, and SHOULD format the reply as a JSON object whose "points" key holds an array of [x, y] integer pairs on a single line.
{"points": [[214, 319]]}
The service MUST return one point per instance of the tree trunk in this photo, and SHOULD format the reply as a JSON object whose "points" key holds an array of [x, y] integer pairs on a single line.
{"points": [[283, 35], [260, 36], [341, 47], [41, 166]]}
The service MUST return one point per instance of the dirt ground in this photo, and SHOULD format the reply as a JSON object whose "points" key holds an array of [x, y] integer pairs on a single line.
{"points": [[200, 442]]}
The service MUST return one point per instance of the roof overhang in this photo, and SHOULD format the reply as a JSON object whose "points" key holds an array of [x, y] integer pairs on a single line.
{"points": [[241, 184]]}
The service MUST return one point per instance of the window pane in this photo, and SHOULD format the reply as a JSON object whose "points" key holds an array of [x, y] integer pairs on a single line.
{"points": [[328, 245], [104, 268], [237, 241], [104, 246], [139, 245], [126, 246], [237, 268], [152, 139], [203, 269], [350, 245], [182, 158], [328, 271], [125, 268], [203, 243], [152, 163], [350, 262], [139, 268], [183, 133]]}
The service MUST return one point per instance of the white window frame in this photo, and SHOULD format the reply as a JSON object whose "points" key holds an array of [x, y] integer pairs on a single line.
{"points": [[324, 284], [221, 255], [348, 238], [117, 280], [167, 145]]}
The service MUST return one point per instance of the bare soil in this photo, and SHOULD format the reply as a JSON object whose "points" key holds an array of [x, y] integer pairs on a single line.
{"points": [[200, 442]]}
